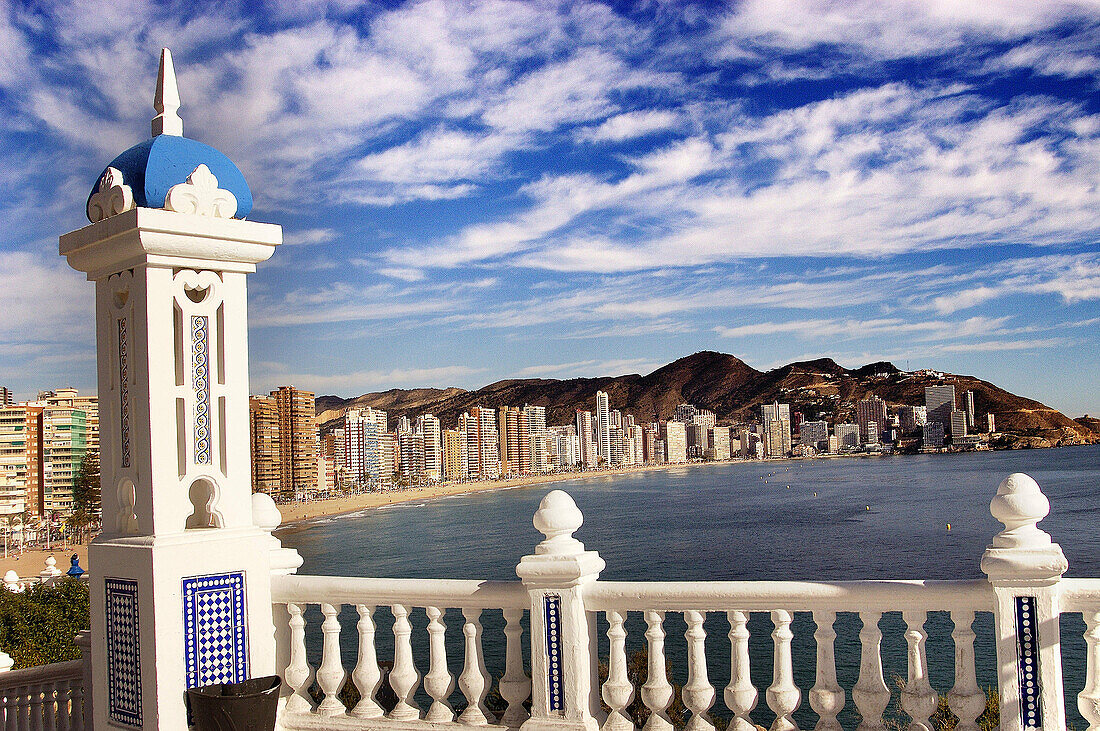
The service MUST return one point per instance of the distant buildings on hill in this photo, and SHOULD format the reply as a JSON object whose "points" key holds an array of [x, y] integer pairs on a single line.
{"points": [[42, 444], [291, 460]]}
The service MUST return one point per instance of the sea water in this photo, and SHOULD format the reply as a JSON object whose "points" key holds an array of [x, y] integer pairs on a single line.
{"points": [[824, 519]]}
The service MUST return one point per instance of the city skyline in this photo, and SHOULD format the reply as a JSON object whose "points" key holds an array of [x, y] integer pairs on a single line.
{"points": [[476, 191]]}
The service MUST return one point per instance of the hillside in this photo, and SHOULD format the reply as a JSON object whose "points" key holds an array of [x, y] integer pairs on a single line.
{"points": [[820, 389]]}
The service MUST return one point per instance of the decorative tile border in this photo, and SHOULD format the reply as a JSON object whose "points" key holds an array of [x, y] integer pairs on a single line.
{"points": [[200, 382], [1027, 653], [124, 390], [215, 630], [552, 606], [123, 654]]}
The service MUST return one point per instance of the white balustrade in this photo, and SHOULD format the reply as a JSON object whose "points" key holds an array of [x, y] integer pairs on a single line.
{"points": [[515, 686], [617, 691], [870, 693], [826, 697], [783, 695], [698, 693], [438, 682], [657, 691], [740, 694], [563, 574], [367, 676], [917, 698], [330, 674], [43, 698], [965, 699], [404, 678]]}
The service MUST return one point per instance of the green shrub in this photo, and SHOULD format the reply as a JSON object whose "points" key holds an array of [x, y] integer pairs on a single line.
{"points": [[38, 626]]}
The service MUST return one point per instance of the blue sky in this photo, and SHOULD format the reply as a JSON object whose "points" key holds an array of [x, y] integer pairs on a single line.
{"points": [[483, 190]]}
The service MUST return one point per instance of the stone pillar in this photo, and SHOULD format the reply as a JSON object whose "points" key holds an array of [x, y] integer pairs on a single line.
{"points": [[1024, 567], [180, 576], [564, 685]]}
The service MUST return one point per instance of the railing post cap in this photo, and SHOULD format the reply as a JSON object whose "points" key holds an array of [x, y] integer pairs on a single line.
{"points": [[557, 518], [1022, 551], [265, 514], [11, 577], [6, 662]]}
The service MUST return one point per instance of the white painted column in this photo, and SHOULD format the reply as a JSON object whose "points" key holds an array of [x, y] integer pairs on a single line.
{"points": [[1024, 567], [564, 688], [180, 565]]}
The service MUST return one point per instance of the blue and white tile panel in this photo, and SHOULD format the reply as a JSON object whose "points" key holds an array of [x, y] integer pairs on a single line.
{"points": [[200, 382], [215, 629], [124, 391], [123, 655], [555, 694], [1027, 653]]}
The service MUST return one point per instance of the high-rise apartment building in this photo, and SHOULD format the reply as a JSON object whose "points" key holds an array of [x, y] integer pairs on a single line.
{"points": [[777, 438], [939, 402], [586, 438], [775, 411], [297, 441], [363, 437], [684, 413], [536, 427], [868, 410], [958, 424], [847, 435], [486, 443], [454, 455], [432, 444], [933, 435], [674, 436], [603, 427], [814, 433], [508, 433], [911, 418], [718, 443], [990, 423], [263, 425], [6, 398], [704, 418], [971, 416]]}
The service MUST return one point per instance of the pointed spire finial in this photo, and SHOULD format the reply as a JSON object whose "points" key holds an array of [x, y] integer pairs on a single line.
{"points": [[167, 99]]}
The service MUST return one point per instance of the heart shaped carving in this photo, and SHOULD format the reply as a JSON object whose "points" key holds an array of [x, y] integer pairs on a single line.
{"points": [[196, 294]]}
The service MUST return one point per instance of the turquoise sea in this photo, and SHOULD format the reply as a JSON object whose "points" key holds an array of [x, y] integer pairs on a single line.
{"points": [[826, 519]]}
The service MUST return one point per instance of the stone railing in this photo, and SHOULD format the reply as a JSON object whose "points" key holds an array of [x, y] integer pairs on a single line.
{"points": [[1022, 595], [43, 698]]}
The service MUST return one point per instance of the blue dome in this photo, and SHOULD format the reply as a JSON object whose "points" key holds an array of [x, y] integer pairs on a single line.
{"points": [[154, 166]]}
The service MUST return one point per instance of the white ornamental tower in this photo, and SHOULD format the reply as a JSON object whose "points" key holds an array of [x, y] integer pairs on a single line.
{"points": [[180, 586]]}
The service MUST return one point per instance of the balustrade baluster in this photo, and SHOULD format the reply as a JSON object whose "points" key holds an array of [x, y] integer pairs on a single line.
{"points": [[50, 697], [298, 675], [515, 686], [403, 678], [37, 695], [617, 691], [76, 706], [783, 695], [657, 691], [367, 676], [6, 709], [698, 693], [826, 697], [64, 705], [740, 694], [438, 682], [22, 711], [966, 700], [917, 697], [330, 674], [870, 693], [1088, 700], [474, 680]]}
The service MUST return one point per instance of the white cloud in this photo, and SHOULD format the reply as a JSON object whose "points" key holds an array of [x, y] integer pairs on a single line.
{"points": [[359, 382], [309, 236], [630, 125]]}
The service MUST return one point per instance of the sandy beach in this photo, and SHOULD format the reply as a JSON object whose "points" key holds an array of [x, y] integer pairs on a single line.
{"points": [[297, 513], [34, 561]]}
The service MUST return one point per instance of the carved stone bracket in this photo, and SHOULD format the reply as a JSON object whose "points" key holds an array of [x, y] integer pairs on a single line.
{"points": [[200, 195], [111, 198]]}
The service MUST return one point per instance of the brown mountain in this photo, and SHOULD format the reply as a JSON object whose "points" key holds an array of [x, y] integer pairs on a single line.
{"points": [[820, 389]]}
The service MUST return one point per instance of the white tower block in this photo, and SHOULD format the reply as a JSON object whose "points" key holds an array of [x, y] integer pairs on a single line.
{"points": [[180, 575]]}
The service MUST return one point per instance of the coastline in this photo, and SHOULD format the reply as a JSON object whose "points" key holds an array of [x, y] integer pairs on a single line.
{"points": [[298, 515]]}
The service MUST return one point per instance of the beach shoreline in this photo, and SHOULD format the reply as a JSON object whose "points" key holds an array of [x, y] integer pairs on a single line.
{"points": [[299, 515]]}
